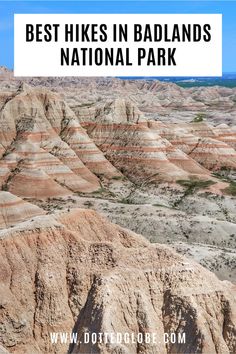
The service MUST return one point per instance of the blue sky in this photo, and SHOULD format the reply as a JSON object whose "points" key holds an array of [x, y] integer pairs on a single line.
{"points": [[227, 8]]}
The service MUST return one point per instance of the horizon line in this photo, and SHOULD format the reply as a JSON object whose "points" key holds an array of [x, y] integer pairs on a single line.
{"points": [[223, 73]]}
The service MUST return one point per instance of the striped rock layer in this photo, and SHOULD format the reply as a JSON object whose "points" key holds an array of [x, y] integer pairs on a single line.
{"points": [[58, 151], [14, 210], [142, 154], [37, 132], [134, 147], [212, 147]]}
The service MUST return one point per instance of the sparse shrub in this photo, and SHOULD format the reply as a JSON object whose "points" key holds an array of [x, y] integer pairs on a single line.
{"points": [[88, 203], [100, 190], [223, 174], [225, 168], [163, 206], [86, 104], [118, 178], [5, 187], [199, 118], [125, 201], [158, 205]]}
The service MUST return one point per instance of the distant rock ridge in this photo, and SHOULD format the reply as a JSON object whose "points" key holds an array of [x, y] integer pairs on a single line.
{"points": [[152, 95]]}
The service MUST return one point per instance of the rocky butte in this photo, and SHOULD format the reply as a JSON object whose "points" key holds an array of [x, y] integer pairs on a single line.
{"points": [[79, 272], [86, 167]]}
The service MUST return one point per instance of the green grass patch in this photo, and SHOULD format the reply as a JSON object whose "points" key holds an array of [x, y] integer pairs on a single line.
{"points": [[191, 186], [125, 201], [164, 206], [85, 104], [195, 184], [100, 190], [231, 189], [118, 178]]}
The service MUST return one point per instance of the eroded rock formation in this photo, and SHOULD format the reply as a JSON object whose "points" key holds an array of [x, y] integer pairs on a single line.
{"points": [[153, 157], [81, 273]]}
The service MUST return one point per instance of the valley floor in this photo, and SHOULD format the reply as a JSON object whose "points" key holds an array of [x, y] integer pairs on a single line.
{"points": [[203, 227]]}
